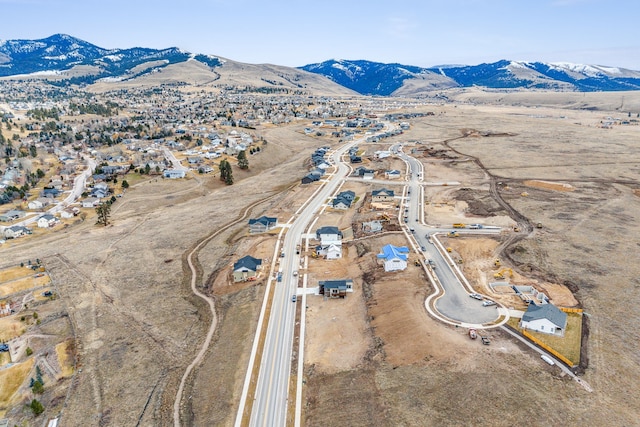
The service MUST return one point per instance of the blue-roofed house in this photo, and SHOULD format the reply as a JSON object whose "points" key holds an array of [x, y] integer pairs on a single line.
{"points": [[394, 257]]}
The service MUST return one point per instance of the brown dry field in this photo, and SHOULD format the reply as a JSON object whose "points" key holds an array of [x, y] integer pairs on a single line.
{"points": [[388, 363]]}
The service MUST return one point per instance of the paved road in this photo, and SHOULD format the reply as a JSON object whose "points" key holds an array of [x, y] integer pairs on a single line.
{"points": [[77, 190], [455, 304], [270, 403]]}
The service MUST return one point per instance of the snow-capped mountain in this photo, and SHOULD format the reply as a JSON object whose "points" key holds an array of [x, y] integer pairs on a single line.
{"points": [[374, 78], [61, 52], [53, 56]]}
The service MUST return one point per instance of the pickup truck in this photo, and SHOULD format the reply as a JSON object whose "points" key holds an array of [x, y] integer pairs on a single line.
{"points": [[432, 264]]}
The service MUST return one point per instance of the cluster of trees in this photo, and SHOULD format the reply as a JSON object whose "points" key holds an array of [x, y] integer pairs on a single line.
{"points": [[44, 113], [106, 110], [226, 174]]}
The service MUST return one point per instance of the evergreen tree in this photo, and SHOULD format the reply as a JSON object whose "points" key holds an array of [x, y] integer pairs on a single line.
{"points": [[103, 211], [229, 175], [243, 162], [223, 170], [36, 407]]}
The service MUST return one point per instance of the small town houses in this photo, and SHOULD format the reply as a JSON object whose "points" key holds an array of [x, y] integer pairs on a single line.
{"points": [[330, 246]]}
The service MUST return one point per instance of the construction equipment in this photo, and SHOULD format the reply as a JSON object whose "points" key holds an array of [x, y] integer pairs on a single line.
{"points": [[496, 263], [516, 229], [539, 225], [449, 249], [500, 273], [453, 234], [459, 225], [416, 263]]}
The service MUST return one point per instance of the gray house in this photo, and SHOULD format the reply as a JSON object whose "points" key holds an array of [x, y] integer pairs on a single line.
{"points": [[246, 268], [262, 224], [382, 196], [545, 318], [12, 215]]}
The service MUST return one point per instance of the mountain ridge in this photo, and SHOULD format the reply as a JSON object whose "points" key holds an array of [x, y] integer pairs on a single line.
{"points": [[53, 58]]}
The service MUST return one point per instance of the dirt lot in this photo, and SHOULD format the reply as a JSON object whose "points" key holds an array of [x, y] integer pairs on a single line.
{"points": [[138, 326]]}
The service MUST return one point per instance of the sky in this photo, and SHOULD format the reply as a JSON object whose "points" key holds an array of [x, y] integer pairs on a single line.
{"points": [[422, 33]]}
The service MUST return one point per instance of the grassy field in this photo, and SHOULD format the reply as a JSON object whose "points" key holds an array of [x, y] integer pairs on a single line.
{"points": [[13, 273], [11, 379], [23, 284]]}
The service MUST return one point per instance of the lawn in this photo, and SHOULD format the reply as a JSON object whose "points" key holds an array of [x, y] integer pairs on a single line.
{"points": [[569, 344]]}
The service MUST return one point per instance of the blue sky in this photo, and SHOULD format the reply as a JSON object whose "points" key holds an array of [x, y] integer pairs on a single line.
{"points": [[295, 33]]}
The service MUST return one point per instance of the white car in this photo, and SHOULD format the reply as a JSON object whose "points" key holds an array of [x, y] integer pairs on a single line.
{"points": [[476, 296], [295, 273], [488, 303]]}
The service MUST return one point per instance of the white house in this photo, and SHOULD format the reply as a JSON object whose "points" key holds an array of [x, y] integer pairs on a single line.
{"points": [[174, 173], [545, 318], [46, 221], [35, 204], [69, 213], [329, 235], [394, 257], [90, 202]]}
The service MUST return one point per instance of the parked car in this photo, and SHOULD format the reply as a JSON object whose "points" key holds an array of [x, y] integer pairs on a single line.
{"points": [[485, 340], [294, 298], [4, 347], [295, 273], [476, 296], [487, 303]]}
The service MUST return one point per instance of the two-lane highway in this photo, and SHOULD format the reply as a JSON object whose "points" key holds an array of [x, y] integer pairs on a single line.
{"points": [[272, 390]]}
